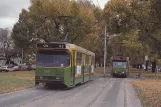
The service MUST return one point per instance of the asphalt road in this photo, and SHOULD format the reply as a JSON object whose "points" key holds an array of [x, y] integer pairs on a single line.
{"points": [[103, 92]]}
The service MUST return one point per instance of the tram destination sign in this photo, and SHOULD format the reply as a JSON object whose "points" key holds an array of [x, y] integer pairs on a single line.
{"points": [[55, 46], [119, 58]]}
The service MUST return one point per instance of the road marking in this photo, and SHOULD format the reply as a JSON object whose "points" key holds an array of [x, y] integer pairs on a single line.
{"points": [[94, 100]]}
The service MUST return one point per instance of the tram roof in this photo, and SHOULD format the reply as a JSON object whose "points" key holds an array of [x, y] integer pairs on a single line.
{"points": [[78, 48], [120, 58], [73, 46]]}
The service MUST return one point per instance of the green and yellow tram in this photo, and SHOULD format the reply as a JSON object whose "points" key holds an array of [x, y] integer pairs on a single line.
{"points": [[63, 63], [120, 66]]}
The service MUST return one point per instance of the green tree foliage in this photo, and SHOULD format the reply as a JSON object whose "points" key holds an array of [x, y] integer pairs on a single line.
{"points": [[137, 23], [94, 40], [53, 20]]}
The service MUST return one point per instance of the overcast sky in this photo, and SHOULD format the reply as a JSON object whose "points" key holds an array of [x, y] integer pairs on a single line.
{"points": [[10, 9]]}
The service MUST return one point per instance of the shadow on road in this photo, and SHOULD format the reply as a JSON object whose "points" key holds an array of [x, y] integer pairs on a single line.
{"points": [[59, 87]]}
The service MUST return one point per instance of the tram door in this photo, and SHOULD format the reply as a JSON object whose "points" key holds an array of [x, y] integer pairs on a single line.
{"points": [[83, 66], [73, 66], [86, 71], [90, 65]]}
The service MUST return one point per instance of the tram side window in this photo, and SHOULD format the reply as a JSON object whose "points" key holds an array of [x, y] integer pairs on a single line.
{"points": [[92, 60], [79, 58], [87, 59]]}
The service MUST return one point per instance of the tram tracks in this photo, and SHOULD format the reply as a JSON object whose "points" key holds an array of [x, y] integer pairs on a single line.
{"points": [[37, 94], [100, 93], [61, 94]]}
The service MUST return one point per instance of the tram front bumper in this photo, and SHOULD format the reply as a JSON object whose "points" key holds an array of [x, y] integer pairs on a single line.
{"points": [[119, 73], [49, 79]]}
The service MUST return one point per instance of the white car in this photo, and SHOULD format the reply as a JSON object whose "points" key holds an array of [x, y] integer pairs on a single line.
{"points": [[15, 68], [6, 68]]}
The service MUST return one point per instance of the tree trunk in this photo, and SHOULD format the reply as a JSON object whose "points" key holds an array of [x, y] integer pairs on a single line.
{"points": [[99, 65], [137, 66], [141, 66], [146, 66], [8, 60], [153, 66], [133, 66]]}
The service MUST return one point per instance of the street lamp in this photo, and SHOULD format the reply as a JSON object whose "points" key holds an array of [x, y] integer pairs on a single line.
{"points": [[105, 49]]}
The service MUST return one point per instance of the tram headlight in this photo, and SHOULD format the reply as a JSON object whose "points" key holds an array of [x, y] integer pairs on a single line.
{"points": [[37, 77], [62, 65], [41, 77], [59, 78]]}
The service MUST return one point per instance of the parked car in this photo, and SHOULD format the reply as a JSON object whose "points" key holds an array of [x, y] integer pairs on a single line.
{"points": [[10, 66], [15, 68], [19, 68], [6, 68], [29, 67], [33, 67]]}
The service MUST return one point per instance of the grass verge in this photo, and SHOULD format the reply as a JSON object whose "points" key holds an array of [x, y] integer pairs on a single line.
{"points": [[148, 89], [144, 74], [13, 81]]}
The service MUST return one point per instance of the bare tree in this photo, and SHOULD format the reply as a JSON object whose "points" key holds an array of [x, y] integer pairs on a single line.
{"points": [[6, 45], [3, 39]]}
